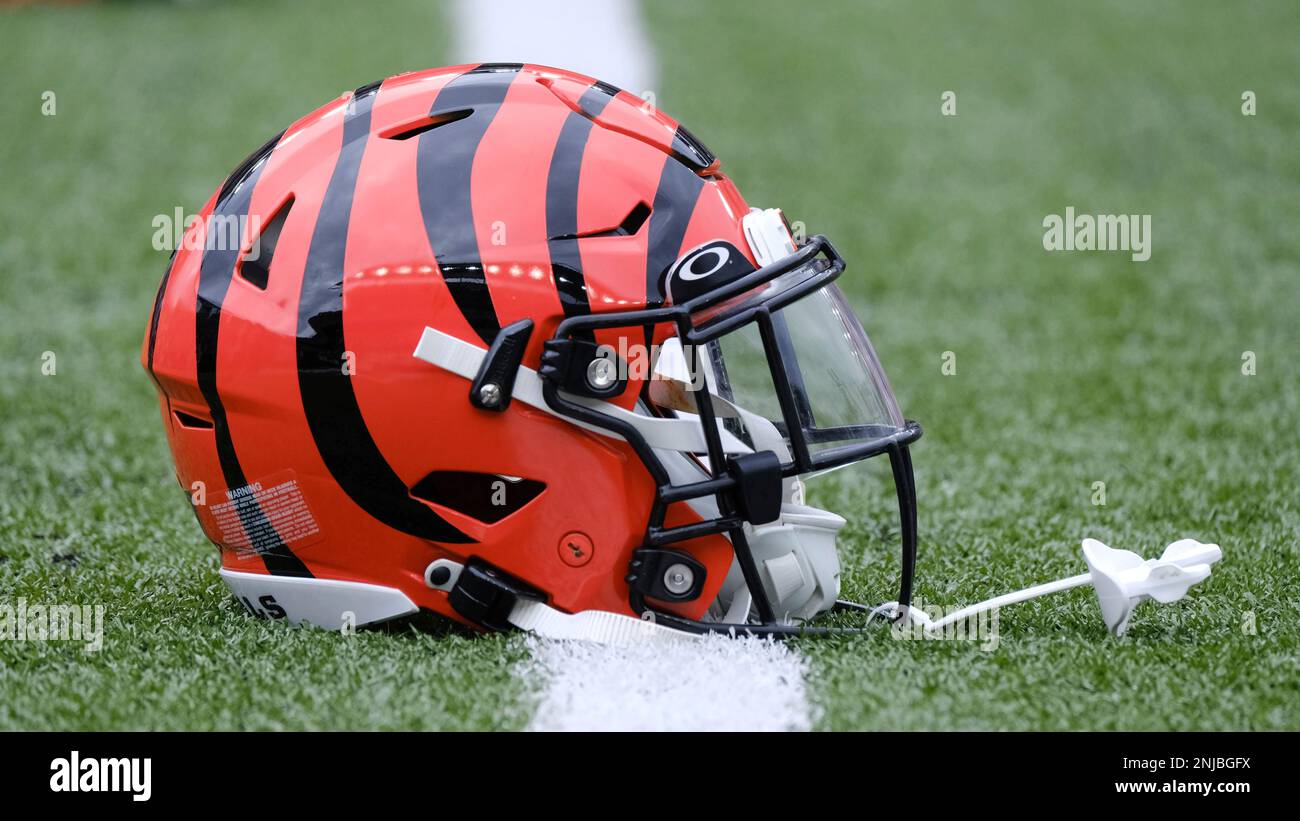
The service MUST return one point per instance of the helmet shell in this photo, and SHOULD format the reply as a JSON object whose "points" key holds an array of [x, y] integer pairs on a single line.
{"points": [[311, 440]]}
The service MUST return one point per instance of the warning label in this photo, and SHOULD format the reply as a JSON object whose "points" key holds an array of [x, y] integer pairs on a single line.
{"points": [[262, 515]]}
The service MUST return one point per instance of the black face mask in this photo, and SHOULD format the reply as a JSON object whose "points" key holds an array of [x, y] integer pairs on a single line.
{"points": [[769, 349]]}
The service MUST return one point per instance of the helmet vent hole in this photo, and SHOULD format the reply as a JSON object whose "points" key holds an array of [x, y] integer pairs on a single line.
{"points": [[486, 497], [191, 421], [414, 128], [630, 225], [255, 264], [634, 220]]}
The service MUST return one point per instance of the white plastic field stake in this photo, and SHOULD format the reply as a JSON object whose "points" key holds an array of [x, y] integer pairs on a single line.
{"points": [[1121, 579]]}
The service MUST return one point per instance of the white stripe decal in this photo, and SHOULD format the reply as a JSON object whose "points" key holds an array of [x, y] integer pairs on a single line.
{"points": [[602, 38], [715, 684]]}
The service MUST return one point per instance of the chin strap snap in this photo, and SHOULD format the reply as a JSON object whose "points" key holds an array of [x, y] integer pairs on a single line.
{"points": [[493, 599]]}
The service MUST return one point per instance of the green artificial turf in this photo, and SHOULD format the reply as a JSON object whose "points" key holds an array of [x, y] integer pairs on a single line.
{"points": [[156, 103], [1072, 368]]}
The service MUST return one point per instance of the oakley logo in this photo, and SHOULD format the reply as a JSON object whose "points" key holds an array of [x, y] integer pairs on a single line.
{"points": [[690, 269], [705, 268]]}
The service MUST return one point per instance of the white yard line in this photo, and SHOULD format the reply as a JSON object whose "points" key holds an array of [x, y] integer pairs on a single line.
{"points": [[602, 38], [716, 684]]}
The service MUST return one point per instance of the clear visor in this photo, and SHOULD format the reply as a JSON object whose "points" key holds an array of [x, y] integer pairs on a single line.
{"points": [[840, 394]]}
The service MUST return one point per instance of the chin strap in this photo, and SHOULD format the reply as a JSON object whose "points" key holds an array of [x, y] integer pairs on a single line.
{"points": [[464, 359], [613, 629], [1121, 578]]}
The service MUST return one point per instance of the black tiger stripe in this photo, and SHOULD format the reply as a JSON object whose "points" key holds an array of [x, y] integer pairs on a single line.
{"points": [[679, 189], [593, 100], [328, 398], [562, 203], [215, 272], [227, 186], [444, 163], [157, 312], [253, 162], [687, 148]]}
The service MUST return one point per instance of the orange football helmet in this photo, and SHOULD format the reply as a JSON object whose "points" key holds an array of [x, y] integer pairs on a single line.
{"points": [[484, 339]]}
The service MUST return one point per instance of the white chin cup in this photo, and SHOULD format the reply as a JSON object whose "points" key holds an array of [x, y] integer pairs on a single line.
{"points": [[797, 562]]}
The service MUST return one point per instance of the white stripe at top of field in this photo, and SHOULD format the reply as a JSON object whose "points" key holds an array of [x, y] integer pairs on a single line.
{"points": [[602, 38], [717, 683]]}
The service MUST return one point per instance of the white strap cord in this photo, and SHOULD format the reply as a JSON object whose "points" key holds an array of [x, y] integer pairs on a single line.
{"points": [[920, 617], [464, 358]]}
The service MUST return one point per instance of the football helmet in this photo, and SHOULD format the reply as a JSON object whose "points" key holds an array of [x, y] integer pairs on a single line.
{"points": [[483, 339]]}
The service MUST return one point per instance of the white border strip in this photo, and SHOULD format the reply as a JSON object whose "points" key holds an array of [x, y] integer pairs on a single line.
{"points": [[714, 684], [601, 38]]}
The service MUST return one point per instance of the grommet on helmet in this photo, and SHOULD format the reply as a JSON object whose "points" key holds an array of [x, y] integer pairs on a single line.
{"points": [[448, 320]]}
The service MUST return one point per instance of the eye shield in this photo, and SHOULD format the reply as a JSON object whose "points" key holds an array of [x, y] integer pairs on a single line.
{"points": [[839, 389]]}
